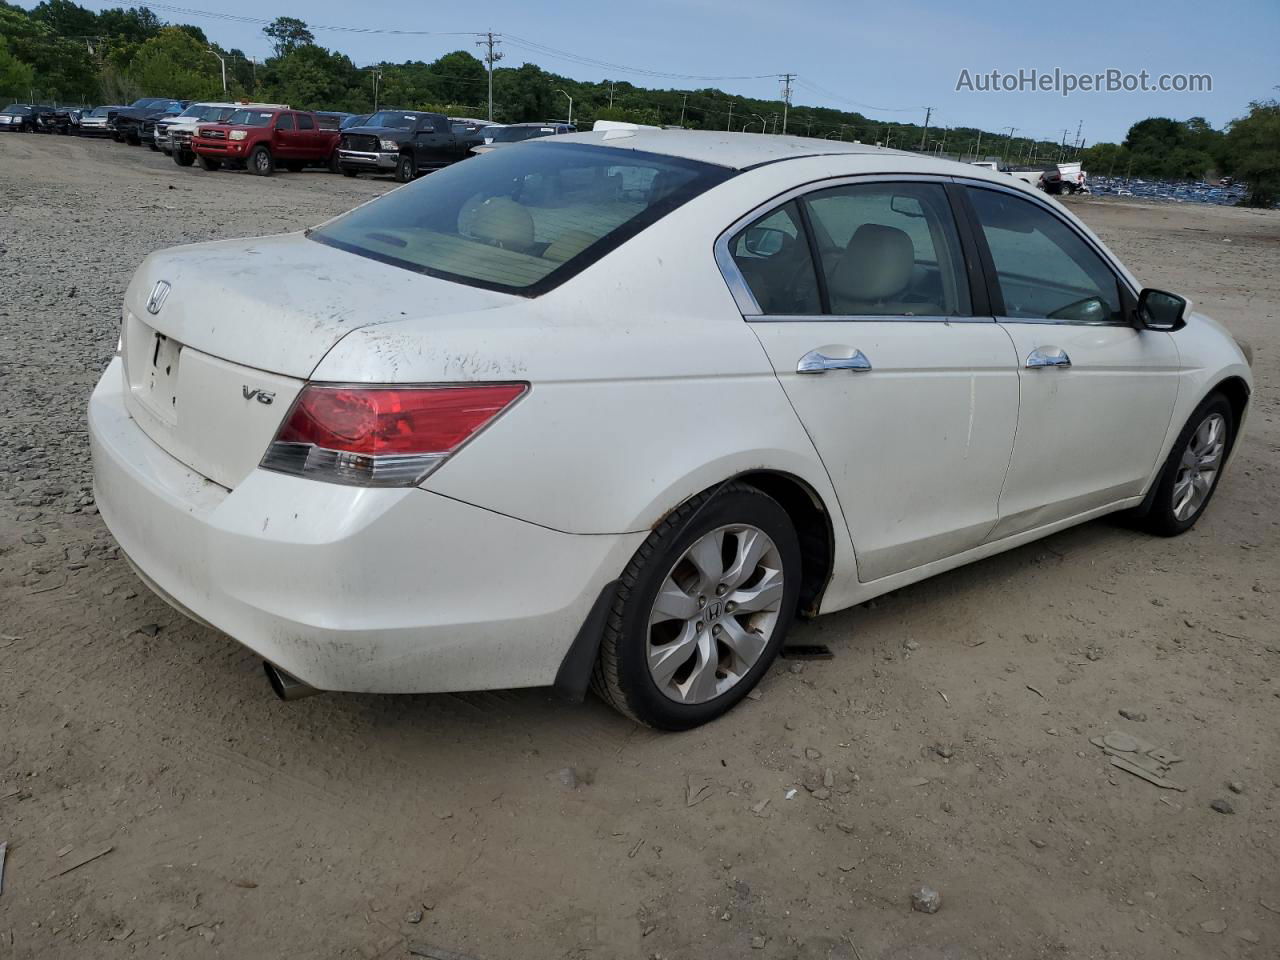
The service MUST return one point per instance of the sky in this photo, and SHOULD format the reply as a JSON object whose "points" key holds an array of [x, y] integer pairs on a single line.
{"points": [[887, 60]]}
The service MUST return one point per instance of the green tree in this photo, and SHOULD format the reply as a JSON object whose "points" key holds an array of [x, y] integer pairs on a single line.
{"points": [[314, 78], [459, 78], [174, 64], [1252, 152], [288, 34], [16, 77], [135, 25]]}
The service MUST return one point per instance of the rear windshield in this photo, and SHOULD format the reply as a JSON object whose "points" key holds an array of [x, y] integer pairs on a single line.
{"points": [[514, 134], [250, 118], [393, 118], [522, 220]]}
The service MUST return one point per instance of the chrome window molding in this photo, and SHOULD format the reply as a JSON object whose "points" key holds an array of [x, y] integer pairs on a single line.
{"points": [[750, 308], [861, 318]]}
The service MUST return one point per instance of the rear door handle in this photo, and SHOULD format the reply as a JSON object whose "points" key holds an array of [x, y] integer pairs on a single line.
{"points": [[1047, 357], [815, 361]]}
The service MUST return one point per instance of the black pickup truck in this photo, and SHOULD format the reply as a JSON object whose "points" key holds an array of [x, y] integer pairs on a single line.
{"points": [[404, 142]]}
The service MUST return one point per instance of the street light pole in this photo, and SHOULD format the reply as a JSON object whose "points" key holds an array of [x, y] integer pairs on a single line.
{"points": [[224, 68], [558, 90]]}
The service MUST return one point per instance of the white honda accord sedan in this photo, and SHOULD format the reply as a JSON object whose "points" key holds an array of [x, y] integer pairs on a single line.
{"points": [[612, 409]]}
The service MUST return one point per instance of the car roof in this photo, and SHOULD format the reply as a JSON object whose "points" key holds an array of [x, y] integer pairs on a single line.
{"points": [[745, 151], [739, 151]]}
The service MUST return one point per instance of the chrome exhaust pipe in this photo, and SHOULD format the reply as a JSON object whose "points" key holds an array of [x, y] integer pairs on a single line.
{"points": [[286, 685]]}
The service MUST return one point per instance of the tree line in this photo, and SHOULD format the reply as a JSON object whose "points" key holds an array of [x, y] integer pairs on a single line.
{"points": [[62, 52]]}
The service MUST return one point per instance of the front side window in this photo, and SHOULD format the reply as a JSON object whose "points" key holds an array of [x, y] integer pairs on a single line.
{"points": [[1044, 268], [889, 249], [773, 257], [521, 220]]}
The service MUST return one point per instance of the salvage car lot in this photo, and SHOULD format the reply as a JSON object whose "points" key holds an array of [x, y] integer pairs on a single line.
{"points": [[954, 720]]}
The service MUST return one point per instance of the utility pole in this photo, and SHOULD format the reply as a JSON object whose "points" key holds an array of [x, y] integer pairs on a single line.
{"points": [[978, 148], [808, 125], [1062, 151], [612, 84], [928, 112], [786, 97], [377, 77], [684, 102], [491, 57], [566, 93], [1008, 142], [1079, 126], [729, 125]]}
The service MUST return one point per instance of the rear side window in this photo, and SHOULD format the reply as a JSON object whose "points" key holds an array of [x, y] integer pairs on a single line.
{"points": [[1044, 268], [285, 122], [890, 249], [773, 257], [439, 124], [522, 220], [305, 122]]}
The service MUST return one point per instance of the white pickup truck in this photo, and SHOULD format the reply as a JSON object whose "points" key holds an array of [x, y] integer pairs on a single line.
{"points": [[1061, 178]]}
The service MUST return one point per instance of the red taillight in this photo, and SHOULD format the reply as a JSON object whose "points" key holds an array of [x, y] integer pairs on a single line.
{"points": [[382, 436]]}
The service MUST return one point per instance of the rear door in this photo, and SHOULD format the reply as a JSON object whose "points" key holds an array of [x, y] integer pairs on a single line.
{"points": [[861, 295], [1096, 393]]}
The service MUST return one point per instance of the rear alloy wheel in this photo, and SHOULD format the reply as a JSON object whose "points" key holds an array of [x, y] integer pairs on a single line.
{"points": [[406, 169], [261, 162], [1193, 469], [702, 610]]}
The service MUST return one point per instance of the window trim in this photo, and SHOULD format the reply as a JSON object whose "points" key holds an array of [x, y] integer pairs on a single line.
{"points": [[1124, 289], [749, 307]]}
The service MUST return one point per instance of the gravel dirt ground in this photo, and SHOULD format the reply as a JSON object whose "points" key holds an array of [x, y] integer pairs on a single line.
{"points": [[948, 741]]}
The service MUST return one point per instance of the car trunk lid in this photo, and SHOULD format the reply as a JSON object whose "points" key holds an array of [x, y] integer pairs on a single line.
{"points": [[218, 339]]}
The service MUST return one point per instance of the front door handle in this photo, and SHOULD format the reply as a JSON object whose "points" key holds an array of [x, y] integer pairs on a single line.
{"points": [[815, 361], [1047, 357]]}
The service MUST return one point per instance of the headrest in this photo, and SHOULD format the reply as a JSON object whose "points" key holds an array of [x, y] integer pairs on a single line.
{"points": [[876, 265], [500, 221]]}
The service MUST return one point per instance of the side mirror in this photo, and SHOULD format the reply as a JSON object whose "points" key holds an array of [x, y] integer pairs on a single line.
{"points": [[763, 241], [1161, 310]]}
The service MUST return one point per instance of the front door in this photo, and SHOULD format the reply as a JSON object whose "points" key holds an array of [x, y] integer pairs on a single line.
{"points": [[1096, 392], [910, 399]]}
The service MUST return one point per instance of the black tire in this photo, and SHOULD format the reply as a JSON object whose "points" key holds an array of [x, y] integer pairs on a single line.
{"points": [[153, 146], [621, 677], [406, 169], [334, 166], [350, 172], [1160, 518], [210, 164], [183, 159], [261, 162]]}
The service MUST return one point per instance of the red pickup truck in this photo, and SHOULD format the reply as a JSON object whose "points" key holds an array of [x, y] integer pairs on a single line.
{"points": [[261, 139]]}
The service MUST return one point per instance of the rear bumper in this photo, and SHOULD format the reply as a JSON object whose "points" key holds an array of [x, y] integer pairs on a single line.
{"points": [[368, 161], [388, 591]]}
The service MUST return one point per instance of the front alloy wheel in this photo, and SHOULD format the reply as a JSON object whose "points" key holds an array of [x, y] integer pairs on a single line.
{"points": [[702, 609], [1198, 469], [405, 168], [1193, 469]]}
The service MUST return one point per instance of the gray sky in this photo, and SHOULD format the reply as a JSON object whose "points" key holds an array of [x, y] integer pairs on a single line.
{"points": [[887, 60]]}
